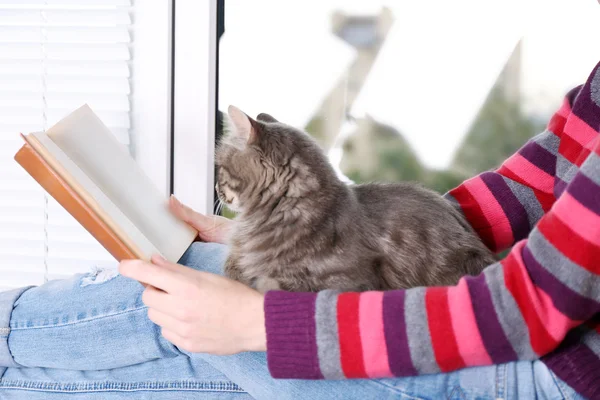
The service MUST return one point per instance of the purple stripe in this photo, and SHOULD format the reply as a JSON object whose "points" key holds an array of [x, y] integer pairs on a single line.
{"points": [[572, 95], [578, 366], [394, 326], [540, 157], [291, 333], [586, 192], [585, 107], [494, 339], [559, 186], [568, 302], [512, 207]]}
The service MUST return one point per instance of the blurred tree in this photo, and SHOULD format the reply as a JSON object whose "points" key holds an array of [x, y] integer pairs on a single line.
{"points": [[314, 127], [379, 152], [499, 130]]}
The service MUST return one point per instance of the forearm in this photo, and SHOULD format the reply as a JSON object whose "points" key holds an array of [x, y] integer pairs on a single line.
{"points": [[519, 308], [504, 205]]}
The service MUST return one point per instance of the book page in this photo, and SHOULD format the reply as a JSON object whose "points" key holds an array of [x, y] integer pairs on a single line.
{"points": [[84, 138], [91, 195]]}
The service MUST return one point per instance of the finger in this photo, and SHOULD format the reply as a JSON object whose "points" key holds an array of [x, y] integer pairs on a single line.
{"points": [[202, 223], [157, 276], [162, 301], [183, 212], [156, 298], [159, 260], [177, 268], [163, 320], [177, 340]]}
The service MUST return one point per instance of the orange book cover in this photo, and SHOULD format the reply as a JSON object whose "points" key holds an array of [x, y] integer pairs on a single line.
{"points": [[56, 187], [80, 163]]}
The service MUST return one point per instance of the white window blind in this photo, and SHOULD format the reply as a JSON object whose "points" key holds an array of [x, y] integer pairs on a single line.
{"points": [[55, 55]]}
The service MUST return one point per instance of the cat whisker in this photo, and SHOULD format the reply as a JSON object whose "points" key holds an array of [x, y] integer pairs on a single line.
{"points": [[220, 206]]}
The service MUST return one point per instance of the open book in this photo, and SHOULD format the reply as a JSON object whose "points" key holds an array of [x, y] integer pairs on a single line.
{"points": [[85, 169]]}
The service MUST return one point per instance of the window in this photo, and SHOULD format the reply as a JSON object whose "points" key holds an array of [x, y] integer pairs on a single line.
{"points": [[432, 91], [56, 55]]}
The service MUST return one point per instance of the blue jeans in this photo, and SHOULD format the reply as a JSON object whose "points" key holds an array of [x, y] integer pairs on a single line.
{"points": [[89, 337]]}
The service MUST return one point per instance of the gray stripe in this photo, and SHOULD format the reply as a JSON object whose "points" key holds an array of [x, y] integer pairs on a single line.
{"points": [[548, 141], [595, 88], [453, 202], [327, 335], [527, 198], [572, 275], [565, 170], [509, 316], [448, 197], [592, 340], [417, 329], [591, 168]]}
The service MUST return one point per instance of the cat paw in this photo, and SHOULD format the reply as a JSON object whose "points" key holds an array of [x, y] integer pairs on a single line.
{"points": [[264, 284]]}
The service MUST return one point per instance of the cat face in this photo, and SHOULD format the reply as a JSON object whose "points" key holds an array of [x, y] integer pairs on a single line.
{"points": [[259, 161], [249, 159]]}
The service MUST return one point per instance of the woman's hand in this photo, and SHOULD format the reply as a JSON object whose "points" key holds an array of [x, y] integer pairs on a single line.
{"points": [[210, 228], [198, 311]]}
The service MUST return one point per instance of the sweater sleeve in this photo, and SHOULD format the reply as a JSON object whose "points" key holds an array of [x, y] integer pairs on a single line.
{"points": [[504, 205], [518, 309]]}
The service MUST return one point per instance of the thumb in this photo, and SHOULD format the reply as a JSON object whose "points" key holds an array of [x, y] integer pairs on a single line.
{"points": [[210, 228], [187, 215]]}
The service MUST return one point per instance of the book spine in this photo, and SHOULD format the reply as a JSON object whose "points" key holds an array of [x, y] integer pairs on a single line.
{"points": [[56, 187]]}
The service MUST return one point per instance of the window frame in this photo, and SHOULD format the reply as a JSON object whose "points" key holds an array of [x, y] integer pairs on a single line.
{"points": [[176, 149], [194, 100], [150, 134]]}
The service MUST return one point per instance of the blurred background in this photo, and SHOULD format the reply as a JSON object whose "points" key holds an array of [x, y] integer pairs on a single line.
{"points": [[429, 91]]}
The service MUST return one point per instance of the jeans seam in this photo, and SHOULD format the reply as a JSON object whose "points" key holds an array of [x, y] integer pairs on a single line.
{"points": [[395, 389], [456, 389], [103, 386], [501, 383], [505, 380], [79, 321], [559, 385]]}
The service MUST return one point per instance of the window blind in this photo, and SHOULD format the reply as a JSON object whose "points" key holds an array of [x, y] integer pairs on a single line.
{"points": [[55, 55]]}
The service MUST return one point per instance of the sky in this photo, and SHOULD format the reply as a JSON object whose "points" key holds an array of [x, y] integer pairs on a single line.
{"points": [[434, 71]]}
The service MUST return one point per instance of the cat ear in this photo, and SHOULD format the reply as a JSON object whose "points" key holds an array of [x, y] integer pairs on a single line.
{"points": [[244, 126], [265, 117]]}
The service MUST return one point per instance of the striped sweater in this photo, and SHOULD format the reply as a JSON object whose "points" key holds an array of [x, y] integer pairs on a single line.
{"points": [[541, 301]]}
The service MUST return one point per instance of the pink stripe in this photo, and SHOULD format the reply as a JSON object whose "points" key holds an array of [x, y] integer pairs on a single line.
{"points": [[492, 211], [593, 144], [470, 344], [565, 109], [579, 130], [576, 216], [372, 335], [555, 322], [535, 177]]}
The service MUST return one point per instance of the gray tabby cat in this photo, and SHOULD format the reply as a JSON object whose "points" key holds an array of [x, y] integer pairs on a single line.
{"points": [[299, 228]]}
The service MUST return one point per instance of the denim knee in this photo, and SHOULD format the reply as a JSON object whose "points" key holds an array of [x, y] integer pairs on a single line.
{"points": [[208, 257], [7, 301]]}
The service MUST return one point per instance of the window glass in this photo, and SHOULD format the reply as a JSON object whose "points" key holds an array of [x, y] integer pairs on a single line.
{"points": [[434, 91]]}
